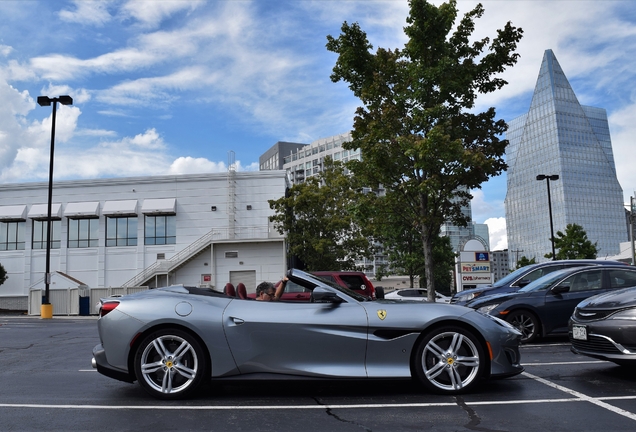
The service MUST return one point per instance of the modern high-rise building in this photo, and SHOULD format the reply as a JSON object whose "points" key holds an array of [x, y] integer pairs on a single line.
{"points": [[560, 137]]}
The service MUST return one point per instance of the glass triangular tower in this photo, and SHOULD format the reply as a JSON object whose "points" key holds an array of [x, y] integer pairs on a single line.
{"points": [[559, 136]]}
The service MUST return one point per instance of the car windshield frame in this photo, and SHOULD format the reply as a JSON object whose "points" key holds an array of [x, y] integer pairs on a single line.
{"points": [[299, 276]]}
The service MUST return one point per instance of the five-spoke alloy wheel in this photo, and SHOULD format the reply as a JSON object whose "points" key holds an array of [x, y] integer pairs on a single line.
{"points": [[449, 360], [170, 364]]}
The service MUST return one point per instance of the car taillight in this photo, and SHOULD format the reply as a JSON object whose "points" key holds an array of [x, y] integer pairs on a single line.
{"points": [[107, 307]]}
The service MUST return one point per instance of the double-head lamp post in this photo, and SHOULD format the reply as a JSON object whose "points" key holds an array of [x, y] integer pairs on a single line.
{"points": [[47, 101], [547, 178]]}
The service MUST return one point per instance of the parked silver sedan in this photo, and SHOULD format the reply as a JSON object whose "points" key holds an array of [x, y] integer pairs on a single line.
{"points": [[173, 339], [419, 294]]}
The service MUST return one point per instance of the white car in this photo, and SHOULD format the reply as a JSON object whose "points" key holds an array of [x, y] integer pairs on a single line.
{"points": [[415, 294]]}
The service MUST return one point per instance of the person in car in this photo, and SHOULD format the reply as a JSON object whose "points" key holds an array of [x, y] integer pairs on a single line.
{"points": [[266, 291]]}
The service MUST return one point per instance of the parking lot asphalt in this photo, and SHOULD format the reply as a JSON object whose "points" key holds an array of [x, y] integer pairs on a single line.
{"points": [[48, 384]]}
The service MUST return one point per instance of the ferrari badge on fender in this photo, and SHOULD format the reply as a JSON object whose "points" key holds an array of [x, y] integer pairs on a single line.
{"points": [[381, 314]]}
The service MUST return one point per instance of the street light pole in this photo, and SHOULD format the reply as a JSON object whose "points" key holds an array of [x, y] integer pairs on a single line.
{"points": [[632, 220], [47, 309], [547, 178]]}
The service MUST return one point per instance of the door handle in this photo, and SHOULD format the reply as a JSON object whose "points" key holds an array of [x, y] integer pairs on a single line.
{"points": [[237, 321]]}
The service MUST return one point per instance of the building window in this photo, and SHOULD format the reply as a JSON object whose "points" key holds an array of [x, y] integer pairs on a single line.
{"points": [[39, 234], [160, 230], [12, 235], [121, 231], [83, 233]]}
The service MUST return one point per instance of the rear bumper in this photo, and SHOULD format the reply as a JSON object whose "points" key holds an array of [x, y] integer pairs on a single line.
{"points": [[100, 363]]}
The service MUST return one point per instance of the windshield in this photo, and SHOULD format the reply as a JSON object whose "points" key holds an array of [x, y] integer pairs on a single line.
{"points": [[545, 282], [511, 277]]}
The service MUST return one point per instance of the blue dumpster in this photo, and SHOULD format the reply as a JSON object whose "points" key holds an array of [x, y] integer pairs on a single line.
{"points": [[84, 306]]}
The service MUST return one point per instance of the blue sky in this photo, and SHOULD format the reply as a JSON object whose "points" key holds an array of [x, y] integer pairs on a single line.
{"points": [[168, 87]]}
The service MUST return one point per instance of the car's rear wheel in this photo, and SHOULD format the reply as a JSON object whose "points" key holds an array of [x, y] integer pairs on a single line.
{"points": [[526, 322], [170, 364], [449, 360]]}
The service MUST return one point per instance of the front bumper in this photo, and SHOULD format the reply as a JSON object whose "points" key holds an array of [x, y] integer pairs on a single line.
{"points": [[611, 340], [100, 363]]}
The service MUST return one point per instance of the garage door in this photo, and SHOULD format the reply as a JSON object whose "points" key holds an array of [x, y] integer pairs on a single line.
{"points": [[248, 278]]}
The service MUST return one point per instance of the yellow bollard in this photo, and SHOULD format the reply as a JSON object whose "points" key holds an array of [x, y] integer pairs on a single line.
{"points": [[46, 311]]}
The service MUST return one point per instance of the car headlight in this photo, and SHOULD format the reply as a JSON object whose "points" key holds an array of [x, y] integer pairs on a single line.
{"points": [[502, 322], [486, 309], [465, 297], [627, 314]]}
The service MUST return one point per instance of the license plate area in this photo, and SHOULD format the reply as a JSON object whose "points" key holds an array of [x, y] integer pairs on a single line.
{"points": [[579, 332]]}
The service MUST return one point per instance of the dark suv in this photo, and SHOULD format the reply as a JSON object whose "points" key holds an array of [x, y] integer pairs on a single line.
{"points": [[523, 276]]}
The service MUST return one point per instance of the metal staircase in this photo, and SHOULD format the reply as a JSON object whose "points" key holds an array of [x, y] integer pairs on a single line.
{"points": [[178, 260]]}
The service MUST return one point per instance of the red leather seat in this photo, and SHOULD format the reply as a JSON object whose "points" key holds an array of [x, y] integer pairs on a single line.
{"points": [[241, 291], [229, 290]]}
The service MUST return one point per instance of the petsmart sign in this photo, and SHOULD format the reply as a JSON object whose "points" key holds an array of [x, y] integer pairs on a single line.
{"points": [[480, 267]]}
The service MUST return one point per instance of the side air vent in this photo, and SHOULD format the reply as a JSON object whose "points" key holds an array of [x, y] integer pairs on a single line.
{"points": [[231, 254]]}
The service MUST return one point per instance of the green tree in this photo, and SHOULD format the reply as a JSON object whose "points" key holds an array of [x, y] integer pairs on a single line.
{"points": [[524, 261], [318, 217], [402, 243], [574, 244], [418, 131], [3, 275]]}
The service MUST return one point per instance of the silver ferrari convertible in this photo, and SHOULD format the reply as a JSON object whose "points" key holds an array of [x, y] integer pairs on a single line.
{"points": [[172, 340]]}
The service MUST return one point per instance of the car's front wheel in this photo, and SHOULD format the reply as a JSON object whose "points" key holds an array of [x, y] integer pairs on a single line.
{"points": [[449, 360], [170, 364], [526, 322]]}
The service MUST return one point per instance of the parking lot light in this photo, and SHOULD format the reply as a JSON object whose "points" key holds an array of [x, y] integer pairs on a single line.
{"points": [[547, 178], [46, 310]]}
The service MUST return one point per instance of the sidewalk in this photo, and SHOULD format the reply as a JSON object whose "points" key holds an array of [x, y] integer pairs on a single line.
{"points": [[5, 313]]}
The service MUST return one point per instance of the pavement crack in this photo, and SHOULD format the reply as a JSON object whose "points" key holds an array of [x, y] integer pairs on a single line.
{"points": [[475, 420], [16, 348], [340, 419]]}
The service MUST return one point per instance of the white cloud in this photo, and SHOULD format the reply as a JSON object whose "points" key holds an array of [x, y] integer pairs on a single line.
{"points": [[87, 12], [497, 232], [5, 50], [151, 13], [190, 165], [623, 133], [482, 208]]}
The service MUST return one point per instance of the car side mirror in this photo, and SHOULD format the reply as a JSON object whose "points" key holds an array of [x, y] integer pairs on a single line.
{"points": [[560, 289], [522, 283], [323, 295]]}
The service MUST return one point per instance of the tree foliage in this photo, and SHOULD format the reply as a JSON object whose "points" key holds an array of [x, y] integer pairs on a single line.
{"points": [[3, 275], [403, 246], [417, 129], [574, 244], [318, 217], [524, 261]]}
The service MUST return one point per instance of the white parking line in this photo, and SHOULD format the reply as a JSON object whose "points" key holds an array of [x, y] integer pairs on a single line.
{"points": [[564, 363], [576, 397], [583, 397], [313, 407], [281, 407]]}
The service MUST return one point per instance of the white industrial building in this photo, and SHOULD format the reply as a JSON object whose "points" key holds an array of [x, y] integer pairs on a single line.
{"points": [[193, 229]]}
